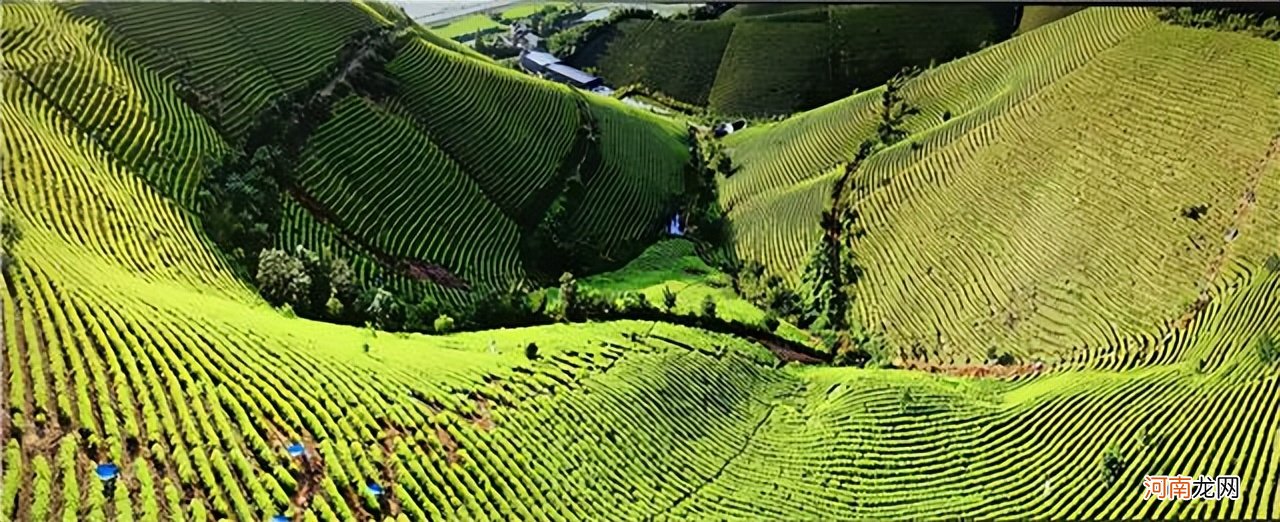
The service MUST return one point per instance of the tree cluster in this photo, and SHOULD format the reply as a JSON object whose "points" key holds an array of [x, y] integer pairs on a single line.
{"points": [[552, 19], [707, 11], [1261, 21], [239, 201], [894, 109], [704, 219], [312, 286], [770, 292], [832, 270], [568, 43]]}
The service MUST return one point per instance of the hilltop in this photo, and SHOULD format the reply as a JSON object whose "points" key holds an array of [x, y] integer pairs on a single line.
{"points": [[769, 60]]}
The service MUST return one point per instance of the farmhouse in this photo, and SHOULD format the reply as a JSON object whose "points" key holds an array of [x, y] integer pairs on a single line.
{"points": [[565, 74], [547, 65], [536, 62]]}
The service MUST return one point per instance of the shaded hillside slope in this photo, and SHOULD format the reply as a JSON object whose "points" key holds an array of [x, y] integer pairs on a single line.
{"points": [[1048, 217], [766, 61]]}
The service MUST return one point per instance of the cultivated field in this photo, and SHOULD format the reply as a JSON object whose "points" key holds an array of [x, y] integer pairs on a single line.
{"points": [[767, 60], [1044, 217], [1108, 137]]}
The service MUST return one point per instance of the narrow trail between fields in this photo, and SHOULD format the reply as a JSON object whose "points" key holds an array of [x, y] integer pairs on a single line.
{"points": [[720, 471], [1244, 206]]}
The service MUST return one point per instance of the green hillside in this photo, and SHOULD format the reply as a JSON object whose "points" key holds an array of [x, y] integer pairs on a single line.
{"points": [[1050, 181], [767, 60], [1044, 218], [498, 177]]}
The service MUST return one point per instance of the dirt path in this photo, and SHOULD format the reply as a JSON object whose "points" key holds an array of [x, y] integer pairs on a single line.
{"points": [[412, 268], [720, 471], [1244, 206]]}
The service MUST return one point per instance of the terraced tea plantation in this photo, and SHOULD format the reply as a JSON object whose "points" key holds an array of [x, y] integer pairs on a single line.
{"points": [[766, 62], [1096, 198]]}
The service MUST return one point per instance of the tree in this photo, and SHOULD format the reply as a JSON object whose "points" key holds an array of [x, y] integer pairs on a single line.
{"points": [[894, 109], [282, 278], [318, 291], [568, 295], [384, 308], [668, 299], [531, 351], [342, 279]]}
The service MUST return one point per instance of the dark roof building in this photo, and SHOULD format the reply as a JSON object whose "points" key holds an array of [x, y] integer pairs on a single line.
{"points": [[537, 61], [546, 64], [565, 74]]}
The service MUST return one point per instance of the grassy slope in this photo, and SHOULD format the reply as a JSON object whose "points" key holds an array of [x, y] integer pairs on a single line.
{"points": [[673, 264], [1073, 129], [465, 26], [127, 340]]}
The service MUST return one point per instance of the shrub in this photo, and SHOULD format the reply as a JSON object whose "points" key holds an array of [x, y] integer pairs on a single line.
{"points": [[635, 302], [1194, 212], [443, 324], [668, 299], [1268, 352], [333, 307], [1113, 463], [709, 307], [384, 308], [568, 294], [282, 278], [771, 321], [998, 357], [531, 351]]}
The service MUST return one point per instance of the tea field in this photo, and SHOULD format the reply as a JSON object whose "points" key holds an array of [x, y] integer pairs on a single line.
{"points": [[1043, 216]]}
